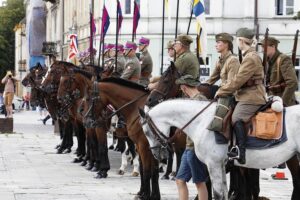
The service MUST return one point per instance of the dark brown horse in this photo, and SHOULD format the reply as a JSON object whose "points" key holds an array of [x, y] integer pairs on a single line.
{"points": [[119, 92], [245, 183]]}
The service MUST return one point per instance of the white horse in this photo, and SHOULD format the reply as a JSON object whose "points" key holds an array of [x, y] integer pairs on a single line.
{"points": [[178, 112]]}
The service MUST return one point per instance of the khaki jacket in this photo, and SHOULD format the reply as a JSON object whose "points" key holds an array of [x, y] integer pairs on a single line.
{"points": [[251, 68], [132, 70], [187, 63], [146, 68], [282, 71], [226, 68]]}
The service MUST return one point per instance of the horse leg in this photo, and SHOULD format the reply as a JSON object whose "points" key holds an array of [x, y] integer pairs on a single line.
{"points": [[102, 149], [218, 177], [155, 193], [252, 179], [123, 163], [293, 165], [69, 136], [81, 137], [169, 165], [136, 165], [92, 151]]}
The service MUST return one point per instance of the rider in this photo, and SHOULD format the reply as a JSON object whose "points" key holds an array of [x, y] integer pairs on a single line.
{"points": [[226, 68], [146, 61], [248, 88], [191, 166], [132, 70], [186, 62], [281, 75], [120, 59]]}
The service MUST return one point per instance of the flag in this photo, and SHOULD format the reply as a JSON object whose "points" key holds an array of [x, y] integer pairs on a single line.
{"points": [[120, 16], [105, 22], [199, 12], [73, 48], [168, 8], [136, 18]]}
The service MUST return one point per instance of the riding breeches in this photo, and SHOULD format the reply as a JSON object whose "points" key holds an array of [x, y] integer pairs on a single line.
{"points": [[244, 111]]}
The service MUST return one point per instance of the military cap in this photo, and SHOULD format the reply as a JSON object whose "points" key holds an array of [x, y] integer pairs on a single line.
{"points": [[224, 37], [144, 41], [130, 45], [271, 41], [245, 32], [108, 46], [170, 44], [184, 39], [120, 47], [187, 80]]}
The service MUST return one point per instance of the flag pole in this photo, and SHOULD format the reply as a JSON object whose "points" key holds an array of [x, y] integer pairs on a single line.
{"points": [[117, 36], [190, 20], [163, 39], [177, 13], [91, 34], [132, 37]]}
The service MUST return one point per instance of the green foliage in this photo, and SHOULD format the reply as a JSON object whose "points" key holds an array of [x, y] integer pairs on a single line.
{"points": [[10, 16]]}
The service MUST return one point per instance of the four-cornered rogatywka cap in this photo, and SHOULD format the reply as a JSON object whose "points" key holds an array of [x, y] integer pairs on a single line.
{"points": [[144, 41], [130, 45]]}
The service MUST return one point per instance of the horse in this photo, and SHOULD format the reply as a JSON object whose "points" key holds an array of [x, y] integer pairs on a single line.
{"points": [[167, 89], [157, 122], [126, 97]]}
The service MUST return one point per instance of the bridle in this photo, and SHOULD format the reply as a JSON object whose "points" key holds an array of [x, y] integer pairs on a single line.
{"points": [[160, 137], [71, 95]]}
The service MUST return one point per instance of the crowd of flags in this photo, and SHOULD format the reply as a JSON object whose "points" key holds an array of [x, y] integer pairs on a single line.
{"points": [[198, 11]]}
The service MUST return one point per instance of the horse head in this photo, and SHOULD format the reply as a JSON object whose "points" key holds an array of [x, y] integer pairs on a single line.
{"points": [[158, 140], [166, 87]]}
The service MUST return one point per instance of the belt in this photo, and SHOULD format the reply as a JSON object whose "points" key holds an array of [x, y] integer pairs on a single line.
{"points": [[252, 82]]}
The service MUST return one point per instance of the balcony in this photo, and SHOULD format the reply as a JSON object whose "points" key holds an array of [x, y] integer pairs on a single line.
{"points": [[49, 48]]}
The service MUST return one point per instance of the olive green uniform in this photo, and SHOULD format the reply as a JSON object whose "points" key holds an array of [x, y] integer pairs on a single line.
{"points": [[146, 68], [282, 78], [187, 63], [132, 69]]}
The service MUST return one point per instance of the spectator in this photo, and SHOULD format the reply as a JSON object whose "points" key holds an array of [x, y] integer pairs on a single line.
{"points": [[9, 91]]}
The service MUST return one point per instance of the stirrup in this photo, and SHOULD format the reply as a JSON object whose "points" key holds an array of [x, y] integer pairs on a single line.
{"points": [[234, 149]]}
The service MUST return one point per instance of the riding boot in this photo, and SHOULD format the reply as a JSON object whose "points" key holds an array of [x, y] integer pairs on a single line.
{"points": [[240, 133]]}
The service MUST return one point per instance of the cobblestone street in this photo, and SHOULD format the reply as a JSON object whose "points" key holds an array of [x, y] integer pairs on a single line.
{"points": [[31, 170]]}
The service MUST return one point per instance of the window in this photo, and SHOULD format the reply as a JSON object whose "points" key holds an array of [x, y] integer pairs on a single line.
{"points": [[284, 7], [207, 6], [127, 6]]}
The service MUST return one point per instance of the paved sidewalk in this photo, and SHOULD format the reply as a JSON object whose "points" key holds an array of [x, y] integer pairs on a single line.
{"points": [[30, 170]]}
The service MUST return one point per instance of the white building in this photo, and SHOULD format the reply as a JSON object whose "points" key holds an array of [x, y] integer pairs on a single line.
{"points": [[65, 16]]}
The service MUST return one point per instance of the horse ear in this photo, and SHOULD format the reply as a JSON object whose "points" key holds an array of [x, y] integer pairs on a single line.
{"points": [[142, 113]]}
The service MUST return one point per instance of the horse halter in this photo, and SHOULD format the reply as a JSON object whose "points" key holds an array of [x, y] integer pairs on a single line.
{"points": [[70, 95]]}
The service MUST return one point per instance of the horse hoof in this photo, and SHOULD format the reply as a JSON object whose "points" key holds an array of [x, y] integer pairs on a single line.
{"points": [[135, 174], [173, 174], [83, 163], [57, 146], [89, 167], [161, 170], [59, 151], [165, 177], [67, 150], [263, 198], [120, 172], [77, 160], [101, 174]]}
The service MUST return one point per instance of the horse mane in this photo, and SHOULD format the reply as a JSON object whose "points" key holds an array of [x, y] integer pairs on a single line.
{"points": [[126, 83], [82, 72]]}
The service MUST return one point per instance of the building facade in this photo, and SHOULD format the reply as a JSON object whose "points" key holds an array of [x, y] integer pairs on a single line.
{"points": [[69, 16]]}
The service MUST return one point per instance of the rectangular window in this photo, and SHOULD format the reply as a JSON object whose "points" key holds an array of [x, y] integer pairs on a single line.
{"points": [[284, 7], [127, 6], [207, 6]]}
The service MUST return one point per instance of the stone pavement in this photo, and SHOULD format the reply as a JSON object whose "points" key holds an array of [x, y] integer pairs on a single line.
{"points": [[30, 170]]}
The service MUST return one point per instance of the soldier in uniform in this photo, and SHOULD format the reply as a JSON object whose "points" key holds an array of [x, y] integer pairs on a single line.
{"points": [[108, 61], [146, 61], [226, 68], [186, 62], [281, 76], [120, 60], [248, 88], [132, 70], [191, 166]]}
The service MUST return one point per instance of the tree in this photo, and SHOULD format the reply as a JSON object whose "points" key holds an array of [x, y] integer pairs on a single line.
{"points": [[10, 16], [297, 16]]}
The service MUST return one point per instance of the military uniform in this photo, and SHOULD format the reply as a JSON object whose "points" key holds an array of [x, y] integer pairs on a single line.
{"points": [[146, 67], [121, 62], [132, 69], [249, 92], [281, 76]]}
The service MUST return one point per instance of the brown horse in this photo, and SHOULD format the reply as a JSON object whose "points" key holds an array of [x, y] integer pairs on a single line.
{"points": [[128, 97], [246, 185]]}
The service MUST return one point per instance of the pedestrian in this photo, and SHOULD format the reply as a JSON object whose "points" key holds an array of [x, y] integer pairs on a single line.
{"points": [[9, 91], [191, 166]]}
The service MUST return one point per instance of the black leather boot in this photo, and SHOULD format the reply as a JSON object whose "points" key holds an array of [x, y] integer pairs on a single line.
{"points": [[239, 152]]}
